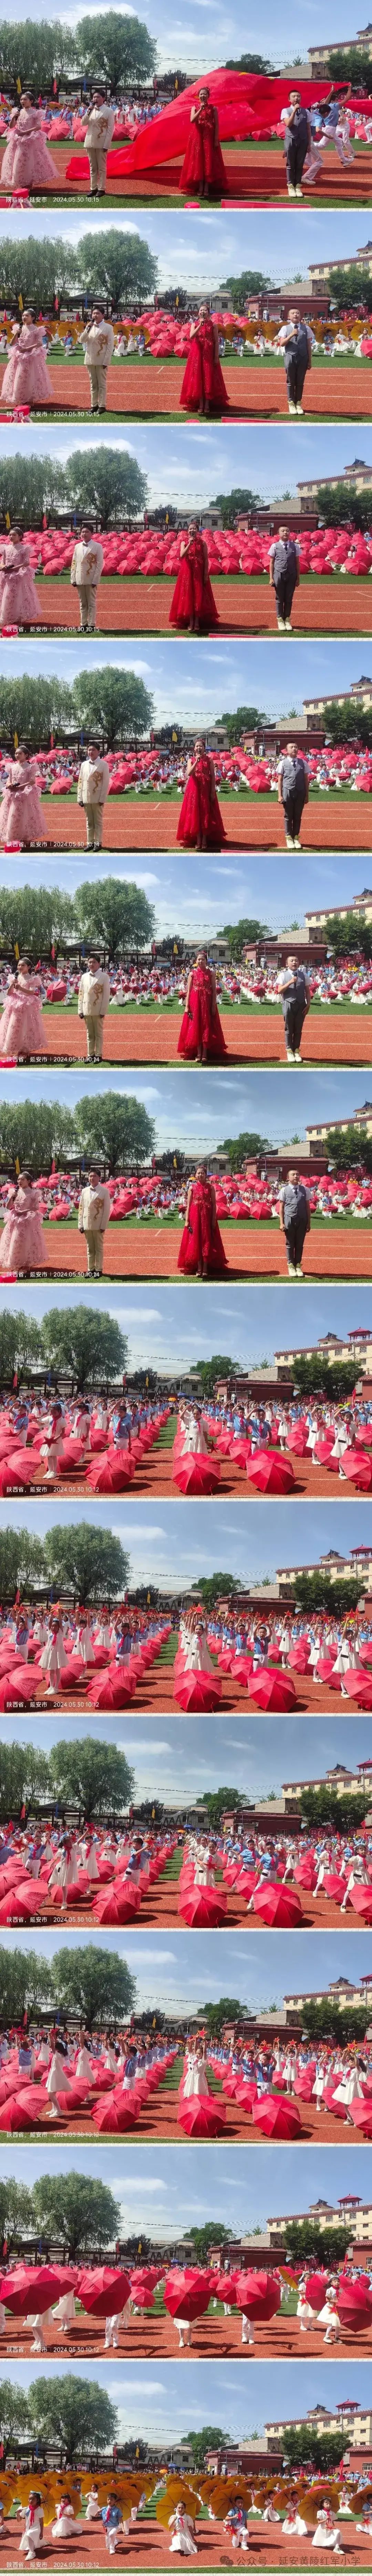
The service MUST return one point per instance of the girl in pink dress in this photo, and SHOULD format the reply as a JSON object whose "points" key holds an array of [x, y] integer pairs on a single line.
{"points": [[203, 168], [21, 1023], [201, 1034], [193, 604], [27, 162], [26, 377], [19, 604], [22, 1242], [21, 816]]}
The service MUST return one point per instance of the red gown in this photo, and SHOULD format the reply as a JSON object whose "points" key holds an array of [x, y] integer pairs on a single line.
{"points": [[203, 157], [201, 1026], [193, 594], [200, 818], [198, 1243], [203, 378]]}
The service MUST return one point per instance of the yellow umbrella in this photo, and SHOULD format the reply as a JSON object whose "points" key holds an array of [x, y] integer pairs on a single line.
{"points": [[178, 2491]]}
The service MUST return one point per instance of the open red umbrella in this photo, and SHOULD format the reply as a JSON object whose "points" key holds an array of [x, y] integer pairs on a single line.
{"points": [[14, 2115], [203, 1905], [187, 2293], [360, 1900], [34, 2286], [359, 1687], [271, 1689], [103, 2290], [353, 2301], [270, 1472], [316, 2289], [361, 2116], [275, 2116], [117, 1905], [201, 2116], [197, 1690], [276, 1904], [116, 2113], [258, 2294], [357, 1468], [196, 1475]]}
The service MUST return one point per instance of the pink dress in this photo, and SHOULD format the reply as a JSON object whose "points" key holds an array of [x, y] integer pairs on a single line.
{"points": [[21, 815], [27, 161], [19, 604], [22, 1242], [26, 377], [21, 1023]]}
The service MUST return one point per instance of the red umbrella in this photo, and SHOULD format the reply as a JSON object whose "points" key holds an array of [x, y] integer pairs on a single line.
{"points": [[117, 2112], [104, 2290], [112, 1693], [361, 2115], [196, 1475], [353, 2301], [270, 1472], [258, 2293], [203, 1905], [316, 2288], [187, 2293], [201, 2116], [13, 2114], [359, 1687], [299, 1656], [357, 1467], [276, 2117], [117, 1905], [111, 1475], [361, 1901], [197, 1690], [33, 2287], [271, 1689], [276, 1904]]}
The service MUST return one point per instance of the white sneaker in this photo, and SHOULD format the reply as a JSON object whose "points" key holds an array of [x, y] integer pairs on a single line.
{"points": [[290, 845], [281, 626], [298, 192], [297, 1057], [291, 1059], [299, 411], [292, 407], [288, 627], [298, 1272], [292, 1273], [291, 191], [297, 845]]}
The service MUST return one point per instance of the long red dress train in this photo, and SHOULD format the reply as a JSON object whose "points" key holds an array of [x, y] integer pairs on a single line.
{"points": [[201, 1025], [193, 594], [198, 1242], [203, 378], [200, 818], [203, 164]]}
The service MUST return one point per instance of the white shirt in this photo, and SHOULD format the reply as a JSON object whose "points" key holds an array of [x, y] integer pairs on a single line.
{"points": [[93, 995], [94, 1209], [100, 127], [93, 782], [87, 562], [98, 342]]}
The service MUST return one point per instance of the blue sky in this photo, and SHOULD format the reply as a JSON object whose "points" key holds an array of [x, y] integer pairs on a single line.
{"points": [[198, 1116], [202, 680], [152, 2401], [283, 246], [213, 890], [212, 32], [186, 467], [181, 1971], [202, 1535], [251, 1323], [172, 1757], [167, 2193]]}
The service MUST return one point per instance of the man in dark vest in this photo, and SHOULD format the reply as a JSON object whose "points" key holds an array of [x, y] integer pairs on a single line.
{"points": [[297, 142], [295, 1000], [284, 575], [293, 793], [295, 339], [294, 1221]]}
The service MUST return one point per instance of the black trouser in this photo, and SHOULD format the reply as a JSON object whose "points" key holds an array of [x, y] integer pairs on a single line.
{"points": [[296, 367], [285, 587], [295, 1237], [293, 809], [296, 149], [294, 1016]]}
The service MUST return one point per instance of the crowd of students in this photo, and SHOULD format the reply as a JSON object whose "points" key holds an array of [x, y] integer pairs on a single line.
{"points": [[104, 1652]]}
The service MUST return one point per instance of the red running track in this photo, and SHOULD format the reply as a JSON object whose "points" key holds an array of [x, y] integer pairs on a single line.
{"points": [[138, 1037], [149, 2548], [153, 388], [253, 1252], [214, 2338], [133, 823], [136, 607]]}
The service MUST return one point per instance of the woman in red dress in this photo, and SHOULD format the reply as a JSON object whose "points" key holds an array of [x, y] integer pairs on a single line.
{"points": [[201, 1034], [200, 825], [193, 604], [201, 1248], [203, 389], [203, 169]]}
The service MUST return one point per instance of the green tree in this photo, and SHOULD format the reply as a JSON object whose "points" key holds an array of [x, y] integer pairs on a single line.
{"points": [[117, 45], [324, 1807], [251, 281], [76, 2412], [346, 63], [219, 1365], [21, 1561], [249, 63], [24, 1774], [34, 917], [245, 720], [90, 1343], [28, 486], [233, 503], [243, 1148], [96, 1984], [117, 264], [114, 702], [79, 2210], [322, 2450], [351, 932], [213, 2233], [34, 51], [210, 2438], [341, 505], [318, 1592], [324, 2244], [228, 2009], [350, 723], [97, 1774], [328, 2020], [216, 1800], [238, 932], [116, 910], [106, 479], [16, 2211], [26, 1983], [351, 1147], [115, 1124], [351, 285], [34, 1131], [33, 706], [14, 2414], [36, 270], [318, 1376], [20, 1342], [211, 1586], [90, 1561]]}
